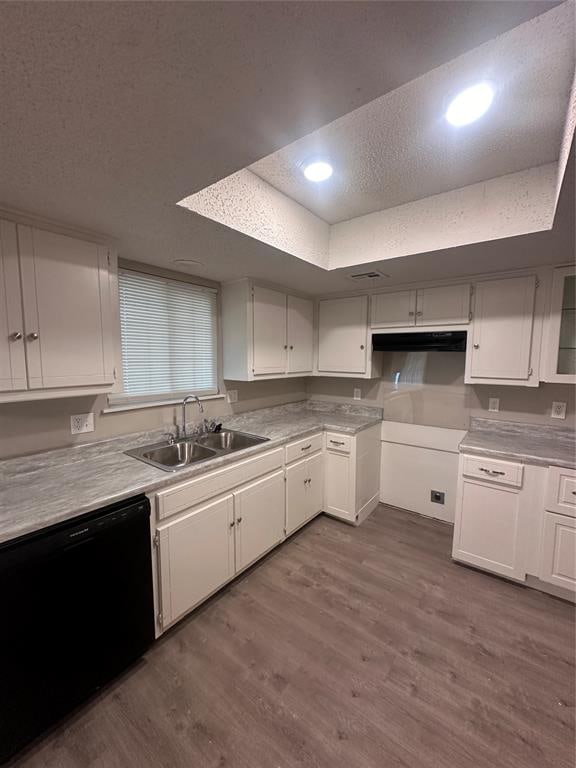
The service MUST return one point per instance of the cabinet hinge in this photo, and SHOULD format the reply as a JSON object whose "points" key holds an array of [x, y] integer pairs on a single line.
{"points": [[156, 540], [537, 282], [108, 258], [115, 374], [530, 371], [470, 315], [160, 619]]}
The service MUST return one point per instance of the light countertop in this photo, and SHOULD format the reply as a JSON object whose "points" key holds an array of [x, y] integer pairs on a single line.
{"points": [[528, 443], [47, 488]]}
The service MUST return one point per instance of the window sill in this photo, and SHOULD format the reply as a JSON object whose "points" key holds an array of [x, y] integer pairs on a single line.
{"points": [[124, 406]]}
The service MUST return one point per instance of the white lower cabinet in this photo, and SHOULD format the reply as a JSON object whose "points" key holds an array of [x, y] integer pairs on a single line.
{"points": [[259, 514], [558, 554], [487, 530], [304, 491], [195, 556], [352, 474]]}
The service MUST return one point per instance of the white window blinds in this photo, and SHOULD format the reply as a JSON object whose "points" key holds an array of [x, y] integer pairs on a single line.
{"points": [[168, 335]]}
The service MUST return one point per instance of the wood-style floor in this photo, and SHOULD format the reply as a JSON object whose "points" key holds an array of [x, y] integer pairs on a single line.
{"points": [[346, 648]]}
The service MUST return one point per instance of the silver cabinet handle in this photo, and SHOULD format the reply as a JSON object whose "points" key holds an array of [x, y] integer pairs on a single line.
{"points": [[410, 314], [573, 493], [33, 336], [291, 346], [285, 346], [361, 346], [306, 447], [491, 471], [239, 520], [232, 524], [419, 313], [476, 346], [16, 336], [337, 442]]}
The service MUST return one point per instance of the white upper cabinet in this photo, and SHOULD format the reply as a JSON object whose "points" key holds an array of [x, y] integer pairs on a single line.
{"points": [[343, 335], [443, 305], [499, 349], [269, 331], [12, 355], [391, 310], [56, 314], [266, 333], [300, 334], [559, 361], [67, 310]]}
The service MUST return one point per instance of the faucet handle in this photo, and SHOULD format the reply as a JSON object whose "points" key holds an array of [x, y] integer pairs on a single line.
{"points": [[170, 436]]}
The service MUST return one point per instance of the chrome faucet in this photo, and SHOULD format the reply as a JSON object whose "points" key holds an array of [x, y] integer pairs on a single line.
{"points": [[189, 399]]}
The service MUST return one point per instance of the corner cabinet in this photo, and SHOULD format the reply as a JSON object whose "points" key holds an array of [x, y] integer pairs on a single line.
{"points": [[56, 314], [502, 348], [559, 355], [267, 334]]}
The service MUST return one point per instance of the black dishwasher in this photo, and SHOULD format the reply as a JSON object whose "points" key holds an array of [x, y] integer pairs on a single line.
{"points": [[77, 609]]}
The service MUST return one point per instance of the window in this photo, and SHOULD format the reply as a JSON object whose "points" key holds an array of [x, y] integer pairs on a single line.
{"points": [[169, 331]]}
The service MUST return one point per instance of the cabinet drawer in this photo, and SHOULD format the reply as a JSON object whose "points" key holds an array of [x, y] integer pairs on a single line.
{"points": [[300, 448], [184, 495], [561, 491], [338, 442], [503, 472]]}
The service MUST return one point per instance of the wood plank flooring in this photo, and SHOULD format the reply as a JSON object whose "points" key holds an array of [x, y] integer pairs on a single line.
{"points": [[346, 648]]}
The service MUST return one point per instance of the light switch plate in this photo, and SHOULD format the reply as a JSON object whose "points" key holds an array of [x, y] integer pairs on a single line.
{"points": [[357, 393], [558, 411], [232, 395], [494, 404], [82, 422]]}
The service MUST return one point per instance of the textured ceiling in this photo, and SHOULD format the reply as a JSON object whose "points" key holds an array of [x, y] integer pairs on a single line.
{"points": [[399, 148], [112, 111]]}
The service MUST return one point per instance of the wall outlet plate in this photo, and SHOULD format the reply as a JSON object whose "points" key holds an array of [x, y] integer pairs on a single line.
{"points": [[357, 393], [437, 497], [82, 422], [494, 404], [232, 395], [558, 411]]}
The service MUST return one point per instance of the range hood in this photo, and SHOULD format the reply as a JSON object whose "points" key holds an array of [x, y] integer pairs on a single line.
{"points": [[417, 341]]}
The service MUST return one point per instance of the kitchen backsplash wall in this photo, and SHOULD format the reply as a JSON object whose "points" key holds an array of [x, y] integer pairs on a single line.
{"points": [[428, 388], [45, 424]]}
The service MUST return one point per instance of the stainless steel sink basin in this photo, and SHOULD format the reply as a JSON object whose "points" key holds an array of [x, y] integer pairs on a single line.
{"points": [[227, 440], [182, 453], [173, 456]]}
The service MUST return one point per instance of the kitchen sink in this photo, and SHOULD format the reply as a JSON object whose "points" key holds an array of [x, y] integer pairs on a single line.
{"points": [[227, 440], [183, 453]]}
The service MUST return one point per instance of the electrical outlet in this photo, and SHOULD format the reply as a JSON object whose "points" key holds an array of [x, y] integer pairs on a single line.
{"points": [[558, 411], [82, 422], [357, 393], [232, 395], [437, 497], [494, 404]]}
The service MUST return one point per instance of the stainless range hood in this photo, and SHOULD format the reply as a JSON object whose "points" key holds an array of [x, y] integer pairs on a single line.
{"points": [[418, 341]]}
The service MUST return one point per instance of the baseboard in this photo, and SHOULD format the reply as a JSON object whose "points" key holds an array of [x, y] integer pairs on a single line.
{"points": [[550, 589]]}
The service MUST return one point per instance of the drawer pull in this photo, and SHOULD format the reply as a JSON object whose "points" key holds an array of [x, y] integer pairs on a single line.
{"points": [[306, 447], [337, 442], [573, 493], [491, 471]]}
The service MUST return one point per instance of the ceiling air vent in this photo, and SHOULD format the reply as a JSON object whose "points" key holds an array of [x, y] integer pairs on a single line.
{"points": [[373, 274]]}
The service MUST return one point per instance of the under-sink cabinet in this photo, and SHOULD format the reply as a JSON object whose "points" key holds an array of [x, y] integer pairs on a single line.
{"points": [[56, 314]]}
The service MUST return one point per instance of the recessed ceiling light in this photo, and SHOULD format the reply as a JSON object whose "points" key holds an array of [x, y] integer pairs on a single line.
{"points": [[470, 104], [318, 170]]}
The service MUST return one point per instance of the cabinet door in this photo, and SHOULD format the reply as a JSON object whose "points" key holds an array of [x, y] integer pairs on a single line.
{"points": [[300, 335], [391, 310], [315, 485], [269, 331], [259, 517], [487, 528], [558, 557], [339, 486], [195, 556], [296, 495], [560, 354], [12, 358], [67, 310], [342, 335], [445, 305], [502, 331]]}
